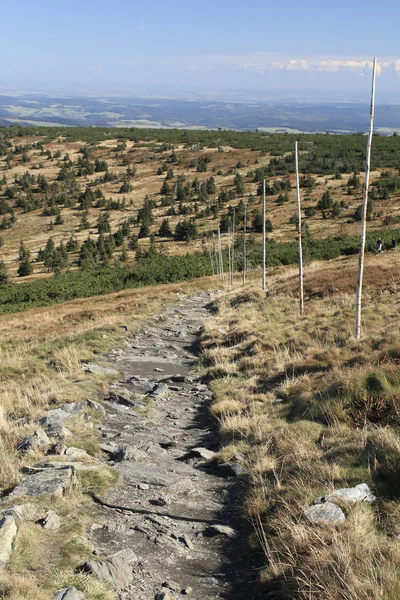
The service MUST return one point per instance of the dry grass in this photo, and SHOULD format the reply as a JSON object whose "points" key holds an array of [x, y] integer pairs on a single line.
{"points": [[311, 409], [40, 368]]}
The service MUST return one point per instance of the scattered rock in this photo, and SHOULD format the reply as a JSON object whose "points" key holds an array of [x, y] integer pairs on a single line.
{"points": [[165, 595], [187, 591], [116, 570], [160, 390], [51, 521], [185, 539], [76, 453], [59, 431], [171, 585], [55, 481], [359, 493], [127, 453], [119, 399], [70, 593], [76, 407], [98, 370], [208, 455], [232, 469], [324, 514], [55, 417], [214, 530], [23, 512], [38, 441], [8, 532]]}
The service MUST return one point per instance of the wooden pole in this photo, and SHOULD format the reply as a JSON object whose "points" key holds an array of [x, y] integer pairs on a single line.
{"points": [[229, 256], [364, 208], [299, 232], [221, 262], [233, 244], [215, 256], [263, 240], [244, 244], [212, 261]]}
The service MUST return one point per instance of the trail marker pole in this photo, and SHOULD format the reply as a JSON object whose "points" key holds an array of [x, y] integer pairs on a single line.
{"points": [[212, 261], [221, 262], [229, 256], [215, 256], [364, 208], [244, 244], [263, 240], [299, 233], [233, 245]]}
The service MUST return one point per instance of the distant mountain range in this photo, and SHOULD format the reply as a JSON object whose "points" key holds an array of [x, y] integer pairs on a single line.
{"points": [[292, 116]]}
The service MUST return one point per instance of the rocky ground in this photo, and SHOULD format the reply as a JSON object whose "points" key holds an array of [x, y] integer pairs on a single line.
{"points": [[173, 516]]}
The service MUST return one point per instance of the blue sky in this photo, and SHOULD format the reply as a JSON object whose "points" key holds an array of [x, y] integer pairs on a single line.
{"points": [[289, 47]]}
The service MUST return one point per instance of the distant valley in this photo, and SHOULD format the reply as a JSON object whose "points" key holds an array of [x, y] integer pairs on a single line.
{"points": [[274, 116]]}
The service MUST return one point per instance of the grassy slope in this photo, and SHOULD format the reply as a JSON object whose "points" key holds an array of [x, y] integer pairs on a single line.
{"points": [[41, 367], [312, 409], [33, 227]]}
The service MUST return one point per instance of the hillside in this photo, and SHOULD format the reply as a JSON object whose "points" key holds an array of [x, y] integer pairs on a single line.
{"points": [[66, 185]]}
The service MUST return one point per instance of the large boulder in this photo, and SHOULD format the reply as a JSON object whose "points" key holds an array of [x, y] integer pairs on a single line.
{"points": [[359, 493], [23, 512], [324, 514], [8, 532]]}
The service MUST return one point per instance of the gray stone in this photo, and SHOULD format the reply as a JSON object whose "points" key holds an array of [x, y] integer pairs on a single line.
{"points": [[213, 530], [51, 521], [204, 453], [23, 512], [119, 399], [165, 595], [359, 493], [45, 465], [98, 370], [78, 407], [160, 390], [116, 570], [233, 469], [8, 532], [57, 416], [70, 593], [76, 453], [53, 481], [58, 431], [38, 441], [324, 514], [127, 453]]}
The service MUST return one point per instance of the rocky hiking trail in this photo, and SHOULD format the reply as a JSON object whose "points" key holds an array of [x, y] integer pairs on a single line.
{"points": [[171, 525]]}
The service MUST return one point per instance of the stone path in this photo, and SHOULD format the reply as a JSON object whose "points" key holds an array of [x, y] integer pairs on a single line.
{"points": [[173, 516]]}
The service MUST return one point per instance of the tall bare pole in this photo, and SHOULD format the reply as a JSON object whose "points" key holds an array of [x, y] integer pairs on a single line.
{"points": [[364, 208], [299, 232], [233, 244], [211, 260], [229, 256], [221, 262], [216, 258], [244, 244], [263, 240]]}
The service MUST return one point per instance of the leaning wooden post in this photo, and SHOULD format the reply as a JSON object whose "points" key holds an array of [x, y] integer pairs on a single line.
{"points": [[299, 232], [364, 208], [221, 262], [263, 240], [233, 244], [244, 245]]}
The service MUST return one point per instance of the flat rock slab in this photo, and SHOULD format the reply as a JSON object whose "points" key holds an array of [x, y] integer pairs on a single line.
{"points": [[324, 514], [136, 473], [116, 570], [98, 370], [8, 532], [53, 481], [359, 493]]}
